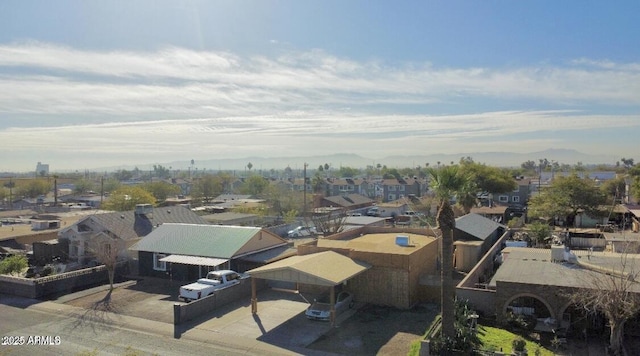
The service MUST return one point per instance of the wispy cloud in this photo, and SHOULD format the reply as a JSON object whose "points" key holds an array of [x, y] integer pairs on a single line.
{"points": [[177, 101], [177, 82]]}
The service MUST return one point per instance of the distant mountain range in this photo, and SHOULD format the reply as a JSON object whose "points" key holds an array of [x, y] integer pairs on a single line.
{"points": [[498, 159]]}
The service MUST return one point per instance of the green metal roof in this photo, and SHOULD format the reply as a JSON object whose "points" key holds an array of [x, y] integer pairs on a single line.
{"points": [[197, 240]]}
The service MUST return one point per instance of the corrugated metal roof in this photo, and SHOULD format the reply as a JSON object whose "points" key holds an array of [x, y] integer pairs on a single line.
{"points": [[477, 225], [197, 240], [324, 268], [194, 260]]}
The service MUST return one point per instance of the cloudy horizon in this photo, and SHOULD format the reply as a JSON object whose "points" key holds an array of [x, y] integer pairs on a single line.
{"points": [[77, 106]]}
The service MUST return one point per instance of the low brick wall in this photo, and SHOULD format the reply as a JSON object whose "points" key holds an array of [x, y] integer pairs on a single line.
{"points": [[197, 308], [57, 284]]}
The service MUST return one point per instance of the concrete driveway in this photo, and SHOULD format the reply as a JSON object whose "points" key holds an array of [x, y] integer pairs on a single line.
{"points": [[280, 320]]}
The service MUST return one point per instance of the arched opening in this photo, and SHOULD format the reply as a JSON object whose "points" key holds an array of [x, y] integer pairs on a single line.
{"points": [[529, 312]]}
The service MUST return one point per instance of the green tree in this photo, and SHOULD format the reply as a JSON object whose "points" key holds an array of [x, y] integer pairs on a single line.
{"points": [[540, 232], [123, 174], [13, 264], [83, 185], [565, 197], [282, 200], [161, 190], [447, 182], [110, 185], [127, 197], [161, 172], [207, 187], [318, 183], [34, 188], [489, 179], [614, 188], [350, 172], [254, 185]]}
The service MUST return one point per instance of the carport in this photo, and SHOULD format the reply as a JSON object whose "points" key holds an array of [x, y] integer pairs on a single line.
{"points": [[195, 261], [327, 269]]}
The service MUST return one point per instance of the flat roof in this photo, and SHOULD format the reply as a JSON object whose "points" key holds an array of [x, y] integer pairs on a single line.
{"points": [[380, 243], [533, 266]]}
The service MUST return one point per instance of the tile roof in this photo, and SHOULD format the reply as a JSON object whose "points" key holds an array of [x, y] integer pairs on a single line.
{"points": [[197, 239]]}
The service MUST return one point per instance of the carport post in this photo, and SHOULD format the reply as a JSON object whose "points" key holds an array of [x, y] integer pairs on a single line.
{"points": [[332, 298], [254, 298]]}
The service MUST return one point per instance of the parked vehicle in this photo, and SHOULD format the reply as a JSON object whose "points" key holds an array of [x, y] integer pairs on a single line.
{"points": [[301, 231], [321, 309], [204, 287], [373, 211]]}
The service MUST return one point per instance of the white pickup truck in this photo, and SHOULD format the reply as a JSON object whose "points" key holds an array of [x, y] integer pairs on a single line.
{"points": [[207, 286]]}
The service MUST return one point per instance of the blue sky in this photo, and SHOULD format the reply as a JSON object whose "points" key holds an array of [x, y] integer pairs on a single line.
{"points": [[94, 84]]}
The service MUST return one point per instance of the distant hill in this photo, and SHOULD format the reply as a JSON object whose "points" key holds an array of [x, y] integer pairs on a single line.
{"points": [[499, 159]]}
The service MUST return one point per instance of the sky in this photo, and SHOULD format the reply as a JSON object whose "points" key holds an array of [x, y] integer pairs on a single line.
{"points": [[87, 84]]}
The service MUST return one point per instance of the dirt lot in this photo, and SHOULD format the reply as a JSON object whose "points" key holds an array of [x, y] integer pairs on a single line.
{"points": [[377, 330], [371, 330]]}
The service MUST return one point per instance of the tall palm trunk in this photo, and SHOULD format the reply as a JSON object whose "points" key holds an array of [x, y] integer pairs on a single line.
{"points": [[447, 223]]}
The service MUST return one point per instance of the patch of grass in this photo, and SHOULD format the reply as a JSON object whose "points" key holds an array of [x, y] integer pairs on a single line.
{"points": [[499, 339], [417, 343]]}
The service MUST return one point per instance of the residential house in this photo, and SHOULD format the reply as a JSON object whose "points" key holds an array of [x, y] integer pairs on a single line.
{"points": [[128, 227], [393, 189], [341, 186], [382, 266], [189, 251], [348, 202]]}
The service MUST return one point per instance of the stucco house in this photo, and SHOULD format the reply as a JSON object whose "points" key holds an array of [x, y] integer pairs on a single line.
{"points": [[189, 251], [127, 227]]}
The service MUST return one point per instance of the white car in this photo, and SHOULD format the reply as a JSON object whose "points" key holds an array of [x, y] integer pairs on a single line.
{"points": [[301, 231], [321, 309]]}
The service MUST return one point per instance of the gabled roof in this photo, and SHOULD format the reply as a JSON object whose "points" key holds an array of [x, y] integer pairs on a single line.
{"points": [[477, 225], [207, 240], [349, 200], [324, 269], [127, 225]]}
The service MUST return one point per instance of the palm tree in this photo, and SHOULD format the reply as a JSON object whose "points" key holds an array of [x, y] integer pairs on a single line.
{"points": [[447, 182]]}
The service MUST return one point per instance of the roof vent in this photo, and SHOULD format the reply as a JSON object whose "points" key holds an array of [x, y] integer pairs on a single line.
{"points": [[402, 240]]}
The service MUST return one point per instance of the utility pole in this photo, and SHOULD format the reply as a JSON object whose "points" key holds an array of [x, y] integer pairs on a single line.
{"points": [[304, 183]]}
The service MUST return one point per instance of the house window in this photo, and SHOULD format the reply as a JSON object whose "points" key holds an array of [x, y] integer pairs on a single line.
{"points": [[401, 188], [392, 188], [157, 264], [515, 199], [392, 197], [503, 198]]}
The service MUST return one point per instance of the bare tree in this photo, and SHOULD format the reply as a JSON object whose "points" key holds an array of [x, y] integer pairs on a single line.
{"points": [[107, 250], [610, 289], [330, 223]]}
